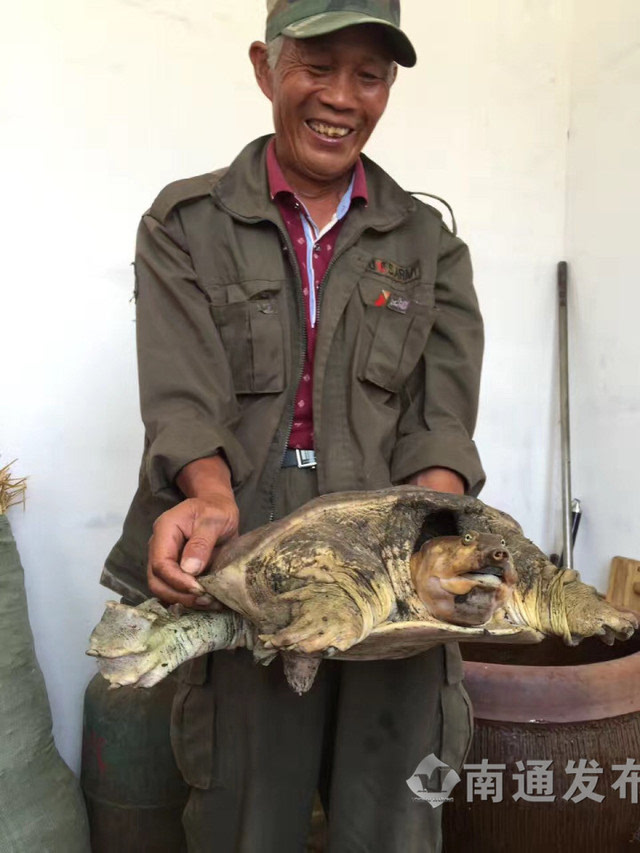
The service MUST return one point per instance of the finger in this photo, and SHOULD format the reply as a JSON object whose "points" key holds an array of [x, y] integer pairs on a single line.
{"points": [[164, 549], [198, 551], [168, 539], [169, 595], [208, 603], [172, 575]]}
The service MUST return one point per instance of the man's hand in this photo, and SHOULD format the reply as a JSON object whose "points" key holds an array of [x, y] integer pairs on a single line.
{"points": [[439, 480], [185, 536]]}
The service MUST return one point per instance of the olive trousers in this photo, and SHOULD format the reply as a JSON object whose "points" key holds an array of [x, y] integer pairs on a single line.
{"points": [[254, 753]]}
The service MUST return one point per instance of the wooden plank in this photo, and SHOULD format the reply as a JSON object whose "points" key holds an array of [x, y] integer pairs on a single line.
{"points": [[624, 583]]}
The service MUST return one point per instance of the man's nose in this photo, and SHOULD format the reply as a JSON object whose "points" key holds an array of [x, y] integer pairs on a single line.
{"points": [[341, 92]]}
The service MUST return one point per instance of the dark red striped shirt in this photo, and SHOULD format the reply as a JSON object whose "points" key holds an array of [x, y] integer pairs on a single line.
{"points": [[314, 251]]}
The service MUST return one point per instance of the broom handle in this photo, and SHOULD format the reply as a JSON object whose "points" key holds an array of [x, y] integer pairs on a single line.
{"points": [[564, 415]]}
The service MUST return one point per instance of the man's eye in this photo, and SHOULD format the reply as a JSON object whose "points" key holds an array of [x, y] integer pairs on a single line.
{"points": [[320, 69]]}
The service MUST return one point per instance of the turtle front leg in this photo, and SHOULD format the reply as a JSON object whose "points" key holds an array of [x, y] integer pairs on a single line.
{"points": [[140, 646], [589, 614], [324, 619], [560, 605]]}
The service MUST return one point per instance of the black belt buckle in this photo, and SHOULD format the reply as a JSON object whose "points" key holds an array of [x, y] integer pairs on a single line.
{"points": [[306, 458]]}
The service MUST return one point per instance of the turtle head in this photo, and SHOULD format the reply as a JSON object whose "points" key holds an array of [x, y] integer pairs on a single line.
{"points": [[464, 579]]}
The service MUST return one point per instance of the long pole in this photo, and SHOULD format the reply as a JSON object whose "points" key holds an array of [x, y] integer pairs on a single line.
{"points": [[564, 414]]}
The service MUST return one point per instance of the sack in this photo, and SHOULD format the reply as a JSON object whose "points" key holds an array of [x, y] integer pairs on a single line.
{"points": [[41, 807]]}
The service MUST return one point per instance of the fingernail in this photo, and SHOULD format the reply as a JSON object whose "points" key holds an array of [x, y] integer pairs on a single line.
{"points": [[204, 600], [191, 566], [196, 588]]}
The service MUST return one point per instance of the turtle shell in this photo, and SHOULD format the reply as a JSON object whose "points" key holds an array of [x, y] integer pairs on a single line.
{"points": [[334, 576]]}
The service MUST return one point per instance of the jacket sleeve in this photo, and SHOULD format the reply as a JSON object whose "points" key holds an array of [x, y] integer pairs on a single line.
{"points": [[441, 397], [186, 392]]}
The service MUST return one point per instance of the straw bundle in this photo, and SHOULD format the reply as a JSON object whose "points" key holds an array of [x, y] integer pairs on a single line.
{"points": [[12, 490]]}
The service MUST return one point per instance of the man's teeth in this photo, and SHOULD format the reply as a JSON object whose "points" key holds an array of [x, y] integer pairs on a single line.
{"points": [[329, 130]]}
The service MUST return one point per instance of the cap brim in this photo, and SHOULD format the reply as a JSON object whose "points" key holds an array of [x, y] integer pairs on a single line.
{"points": [[331, 22]]}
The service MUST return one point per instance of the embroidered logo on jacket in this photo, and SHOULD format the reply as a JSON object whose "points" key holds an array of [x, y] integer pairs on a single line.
{"points": [[401, 275]]}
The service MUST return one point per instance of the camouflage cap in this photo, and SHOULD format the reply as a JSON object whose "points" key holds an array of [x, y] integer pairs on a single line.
{"points": [[301, 19]]}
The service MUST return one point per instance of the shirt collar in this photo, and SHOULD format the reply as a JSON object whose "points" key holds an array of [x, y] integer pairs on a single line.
{"points": [[279, 184]]}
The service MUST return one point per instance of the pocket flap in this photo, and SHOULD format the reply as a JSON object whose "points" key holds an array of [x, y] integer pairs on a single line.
{"points": [[192, 733], [453, 663], [242, 291]]}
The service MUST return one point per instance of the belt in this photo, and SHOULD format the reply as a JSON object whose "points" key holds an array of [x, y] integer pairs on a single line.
{"points": [[299, 459]]}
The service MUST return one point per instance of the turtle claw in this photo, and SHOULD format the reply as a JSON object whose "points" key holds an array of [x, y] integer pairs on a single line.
{"points": [[589, 614]]}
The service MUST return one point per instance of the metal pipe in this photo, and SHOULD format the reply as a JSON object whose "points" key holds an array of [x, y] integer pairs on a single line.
{"points": [[564, 415]]}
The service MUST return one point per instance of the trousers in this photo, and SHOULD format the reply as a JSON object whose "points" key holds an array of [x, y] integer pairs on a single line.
{"points": [[254, 753]]}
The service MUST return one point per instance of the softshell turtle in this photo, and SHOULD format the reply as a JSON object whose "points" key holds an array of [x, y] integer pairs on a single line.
{"points": [[363, 575]]}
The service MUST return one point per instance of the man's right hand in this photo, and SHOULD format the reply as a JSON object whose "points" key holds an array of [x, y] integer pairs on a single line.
{"points": [[184, 537]]}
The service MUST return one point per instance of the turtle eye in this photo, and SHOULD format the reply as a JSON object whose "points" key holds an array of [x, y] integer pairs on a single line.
{"points": [[503, 543], [467, 538]]}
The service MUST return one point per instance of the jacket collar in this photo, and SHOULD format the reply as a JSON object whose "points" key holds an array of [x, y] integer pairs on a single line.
{"points": [[244, 192]]}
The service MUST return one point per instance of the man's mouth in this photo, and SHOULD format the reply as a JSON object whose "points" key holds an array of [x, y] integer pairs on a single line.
{"points": [[329, 131]]}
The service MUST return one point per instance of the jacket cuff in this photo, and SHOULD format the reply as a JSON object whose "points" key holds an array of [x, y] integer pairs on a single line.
{"points": [[172, 449], [416, 452]]}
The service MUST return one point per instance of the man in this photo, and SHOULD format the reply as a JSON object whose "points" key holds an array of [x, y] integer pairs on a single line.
{"points": [[304, 326]]}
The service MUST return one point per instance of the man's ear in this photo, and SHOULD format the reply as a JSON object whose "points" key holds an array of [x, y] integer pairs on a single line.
{"points": [[393, 74], [259, 60]]}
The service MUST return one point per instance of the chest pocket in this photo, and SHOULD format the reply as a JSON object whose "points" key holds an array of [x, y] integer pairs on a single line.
{"points": [[247, 316], [398, 320]]}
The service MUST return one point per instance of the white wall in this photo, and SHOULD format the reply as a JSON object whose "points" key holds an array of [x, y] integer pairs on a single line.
{"points": [[105, 103], [603, 195]]}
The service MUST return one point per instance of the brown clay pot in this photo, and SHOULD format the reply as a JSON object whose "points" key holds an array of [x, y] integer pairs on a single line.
{"points": [[550, 702]]}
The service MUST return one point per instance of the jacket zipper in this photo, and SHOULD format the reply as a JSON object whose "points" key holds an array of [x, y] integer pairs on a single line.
{"points": [[303, 340], [301, 317]]}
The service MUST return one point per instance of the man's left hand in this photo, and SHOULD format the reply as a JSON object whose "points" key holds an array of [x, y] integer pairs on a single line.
{"points": [[439, 480]]}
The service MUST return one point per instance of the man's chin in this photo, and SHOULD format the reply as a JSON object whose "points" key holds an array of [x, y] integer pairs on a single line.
{"points": [[330, 167]]}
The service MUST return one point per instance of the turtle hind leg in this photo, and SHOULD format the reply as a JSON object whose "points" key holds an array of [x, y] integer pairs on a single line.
{"points": [[300, 670]]}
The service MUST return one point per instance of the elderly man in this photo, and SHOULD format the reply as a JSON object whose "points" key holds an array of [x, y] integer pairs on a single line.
{"points": [[304, 326]]}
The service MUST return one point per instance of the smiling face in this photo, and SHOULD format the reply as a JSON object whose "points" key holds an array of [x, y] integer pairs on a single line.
{"points": [[328, 94], [463, 580]]}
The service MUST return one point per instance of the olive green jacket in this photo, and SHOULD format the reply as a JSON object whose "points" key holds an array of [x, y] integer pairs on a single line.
{"points": [[221, 340]]}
